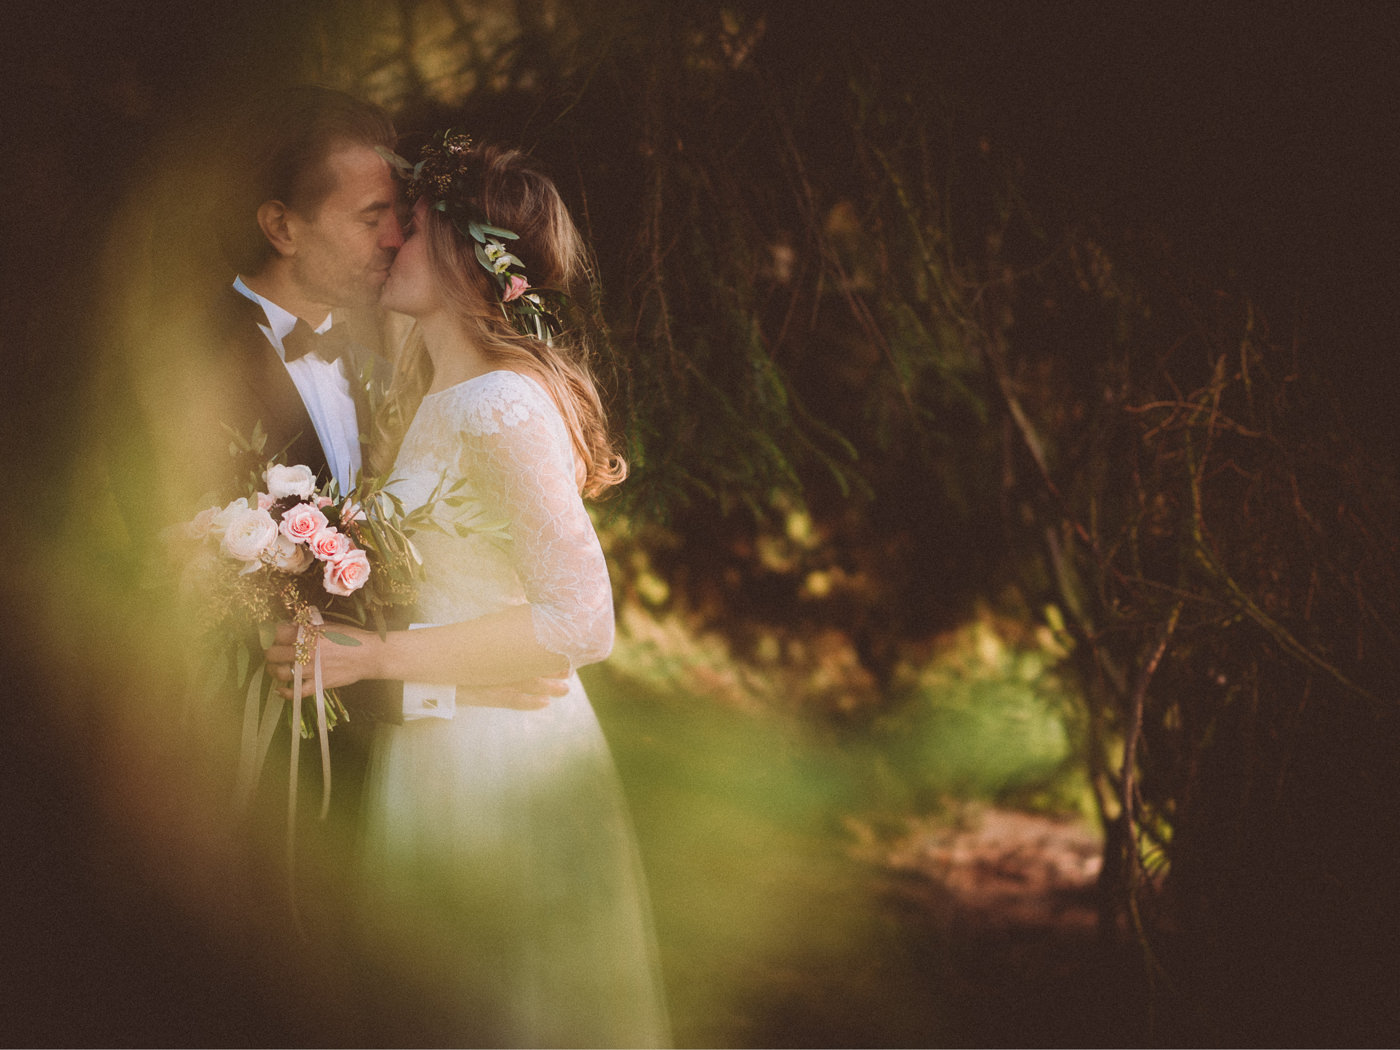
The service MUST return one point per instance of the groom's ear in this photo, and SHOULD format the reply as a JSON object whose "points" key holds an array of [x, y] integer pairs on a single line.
{"points": [[272, 218]]}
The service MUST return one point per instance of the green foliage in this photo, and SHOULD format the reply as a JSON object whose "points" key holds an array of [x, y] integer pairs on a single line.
{"points": [[1222, 552], [987, 718]]}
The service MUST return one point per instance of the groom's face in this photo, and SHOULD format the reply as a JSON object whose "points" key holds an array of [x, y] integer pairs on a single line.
{"points": [[343, 247]]}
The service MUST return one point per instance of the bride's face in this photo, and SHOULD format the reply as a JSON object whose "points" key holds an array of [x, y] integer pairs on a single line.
{"points": [[412, 288]]}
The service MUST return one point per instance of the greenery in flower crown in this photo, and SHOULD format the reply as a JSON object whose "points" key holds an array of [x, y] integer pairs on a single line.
{"points": [[444, 177]]}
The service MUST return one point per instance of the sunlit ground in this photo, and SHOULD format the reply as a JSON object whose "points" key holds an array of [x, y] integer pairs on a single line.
{"points": [[821, 888], [768, 927]]}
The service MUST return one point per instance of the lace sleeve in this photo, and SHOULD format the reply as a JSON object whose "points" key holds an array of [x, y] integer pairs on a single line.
{"points": [[522, 463]]}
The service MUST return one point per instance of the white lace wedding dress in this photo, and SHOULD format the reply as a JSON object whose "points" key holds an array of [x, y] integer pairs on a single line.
{"points": [[500, 863]]}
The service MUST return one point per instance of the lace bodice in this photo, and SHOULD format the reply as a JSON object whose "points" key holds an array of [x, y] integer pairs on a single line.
{"points": [[503, 433]]}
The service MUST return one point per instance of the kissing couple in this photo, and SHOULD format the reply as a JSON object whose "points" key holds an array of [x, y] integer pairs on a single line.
{"points": [[495, 858]]}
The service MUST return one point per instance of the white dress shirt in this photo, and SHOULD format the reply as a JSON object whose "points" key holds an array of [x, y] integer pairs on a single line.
{"points": [[324, 387]]}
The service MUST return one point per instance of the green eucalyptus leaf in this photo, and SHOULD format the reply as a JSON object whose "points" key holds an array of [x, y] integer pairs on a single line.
{"points": [[496, 231], [395, 161], [341, 639]]}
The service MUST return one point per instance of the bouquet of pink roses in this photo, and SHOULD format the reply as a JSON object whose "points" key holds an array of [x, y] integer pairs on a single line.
{"points": [[288, 551], [292, 552]]}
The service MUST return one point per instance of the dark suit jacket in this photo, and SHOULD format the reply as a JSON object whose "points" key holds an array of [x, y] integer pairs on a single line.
{"points": [[253, 386]]}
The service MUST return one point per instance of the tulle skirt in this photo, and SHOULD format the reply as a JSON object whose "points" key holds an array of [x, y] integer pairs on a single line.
{"points": [[502, 884]]}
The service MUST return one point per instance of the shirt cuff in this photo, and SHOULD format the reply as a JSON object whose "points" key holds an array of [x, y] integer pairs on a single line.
{"points": [[428, 699]]}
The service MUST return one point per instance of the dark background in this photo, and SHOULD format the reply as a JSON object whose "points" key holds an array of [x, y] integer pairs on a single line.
{"points": [[1262, 140], [1261, 137]]}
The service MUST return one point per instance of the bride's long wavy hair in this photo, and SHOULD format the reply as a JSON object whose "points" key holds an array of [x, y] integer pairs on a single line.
{"points": [[515, 195]]}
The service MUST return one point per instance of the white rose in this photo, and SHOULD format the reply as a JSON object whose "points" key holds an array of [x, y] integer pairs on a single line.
{"points": [[247, 534], [289, 556], [283, 481], [226, 515], [202, 523]]}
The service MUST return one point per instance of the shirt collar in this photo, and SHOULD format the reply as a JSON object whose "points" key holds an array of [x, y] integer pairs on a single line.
{"points": [[279, 321]]}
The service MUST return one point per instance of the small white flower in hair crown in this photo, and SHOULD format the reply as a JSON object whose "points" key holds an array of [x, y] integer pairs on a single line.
{"points": [[445, 175]]}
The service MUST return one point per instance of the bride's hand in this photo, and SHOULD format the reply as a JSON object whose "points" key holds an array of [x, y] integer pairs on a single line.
{"points": [[341, 663], [532, 694]]}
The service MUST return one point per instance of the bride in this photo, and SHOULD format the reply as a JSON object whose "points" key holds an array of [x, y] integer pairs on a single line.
{"points": [[499, 861]]}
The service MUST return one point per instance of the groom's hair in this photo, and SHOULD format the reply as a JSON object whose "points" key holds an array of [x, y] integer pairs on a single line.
{"points": [[290, 134]]}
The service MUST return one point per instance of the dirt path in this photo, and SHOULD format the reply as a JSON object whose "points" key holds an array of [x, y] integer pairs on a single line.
{"points": [[1001, 869], [1013, 894]]}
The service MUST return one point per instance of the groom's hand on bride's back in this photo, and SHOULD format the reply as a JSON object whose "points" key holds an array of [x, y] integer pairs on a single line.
{"points": [[545, 687], [528, 695]]}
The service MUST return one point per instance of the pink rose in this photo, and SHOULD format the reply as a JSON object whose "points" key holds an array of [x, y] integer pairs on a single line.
{"points": [[330, 545], [324, 501], [348, 574], [302, 522], [515, 287], [265, 501]]}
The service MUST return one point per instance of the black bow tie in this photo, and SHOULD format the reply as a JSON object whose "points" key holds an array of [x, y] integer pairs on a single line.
{"points": [[303, 340]]}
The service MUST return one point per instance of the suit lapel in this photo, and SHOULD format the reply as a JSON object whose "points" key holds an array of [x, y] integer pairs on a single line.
{"points": [[265, 392]]}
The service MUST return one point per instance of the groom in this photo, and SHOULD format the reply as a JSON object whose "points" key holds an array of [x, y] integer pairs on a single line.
{"points": [[314, 228], [313, 231]]}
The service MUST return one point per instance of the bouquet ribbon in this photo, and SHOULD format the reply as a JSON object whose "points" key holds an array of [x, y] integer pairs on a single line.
{"points": [[317, 622], [258, 731]]}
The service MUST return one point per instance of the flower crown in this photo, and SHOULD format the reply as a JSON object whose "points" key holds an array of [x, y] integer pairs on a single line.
{"points": [[444, 176]]}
